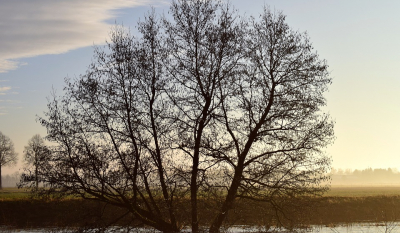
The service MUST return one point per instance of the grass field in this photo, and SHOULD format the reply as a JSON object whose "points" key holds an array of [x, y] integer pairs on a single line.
{"points": [[13, 193], [335, 191], [363, 191], [339, 205]]}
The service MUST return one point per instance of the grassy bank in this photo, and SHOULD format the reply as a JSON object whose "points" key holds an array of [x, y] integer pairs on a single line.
{"points": [[340, 205]]}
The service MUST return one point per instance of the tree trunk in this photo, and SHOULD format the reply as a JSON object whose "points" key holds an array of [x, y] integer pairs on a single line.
{"points": [[1, 185], [195, 169], [228, 203], [36, 176], [193, 195]]}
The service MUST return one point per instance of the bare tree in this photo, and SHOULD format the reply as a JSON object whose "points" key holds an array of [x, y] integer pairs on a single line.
{"points": [[35, 155], [204, 43], [8, 157], [205, 104], [273, 120]]}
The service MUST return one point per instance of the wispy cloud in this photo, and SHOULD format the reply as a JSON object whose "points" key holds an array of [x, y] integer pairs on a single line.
{"points": [[31, 28], [4, 89], [9, 101], [5, 110]]}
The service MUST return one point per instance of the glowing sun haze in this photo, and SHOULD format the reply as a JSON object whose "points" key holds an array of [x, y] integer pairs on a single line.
{"points": [[43, 41]]}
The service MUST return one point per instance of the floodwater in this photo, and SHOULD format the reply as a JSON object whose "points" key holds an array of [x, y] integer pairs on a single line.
{"points": [[384, 227]]}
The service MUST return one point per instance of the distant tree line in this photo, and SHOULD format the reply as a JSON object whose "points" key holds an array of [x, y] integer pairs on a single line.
{"points": [[339, 176], [10, 180], [365, 176]]}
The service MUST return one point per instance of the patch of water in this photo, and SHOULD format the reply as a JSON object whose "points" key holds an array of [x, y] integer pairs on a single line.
{"points": [[392, 227], [387, 227]]}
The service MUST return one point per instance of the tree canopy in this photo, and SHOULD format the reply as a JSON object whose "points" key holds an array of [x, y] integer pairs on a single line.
{"points": [[207, 104], [35, 156], [8, 156]]}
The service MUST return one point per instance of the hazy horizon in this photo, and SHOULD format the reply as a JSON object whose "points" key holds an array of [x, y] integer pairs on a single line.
{"points": [[339, 177]]}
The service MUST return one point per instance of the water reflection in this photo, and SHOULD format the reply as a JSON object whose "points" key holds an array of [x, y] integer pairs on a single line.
{"points": [[385, 227]]}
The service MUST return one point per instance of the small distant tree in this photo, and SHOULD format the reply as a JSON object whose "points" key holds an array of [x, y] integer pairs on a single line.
{"points": [[8, 156], [11, 180], [35, 155]]}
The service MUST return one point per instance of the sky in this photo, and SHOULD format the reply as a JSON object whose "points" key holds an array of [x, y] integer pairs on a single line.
{"points": [[44, 41]]}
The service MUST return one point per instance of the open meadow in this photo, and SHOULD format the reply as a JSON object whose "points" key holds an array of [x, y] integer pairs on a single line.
{"points": [[13, 194], [341, 205], [363, 191], [335, 191]]}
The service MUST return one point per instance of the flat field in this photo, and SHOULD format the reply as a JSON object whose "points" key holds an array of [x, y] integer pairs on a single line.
{"points": [[363, 191], [340, 205], [335, 191], [13, 194]]}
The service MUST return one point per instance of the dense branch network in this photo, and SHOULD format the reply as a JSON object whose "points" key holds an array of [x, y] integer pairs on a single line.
{"points": [[207, 104], [8, 156]]}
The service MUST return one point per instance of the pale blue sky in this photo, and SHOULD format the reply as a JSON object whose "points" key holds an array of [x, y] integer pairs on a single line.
{"points": [[43, 41]]}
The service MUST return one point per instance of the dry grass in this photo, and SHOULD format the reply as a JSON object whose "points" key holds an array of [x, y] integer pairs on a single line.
{"points": [[13, 194], [363, 191], [340, 205]]}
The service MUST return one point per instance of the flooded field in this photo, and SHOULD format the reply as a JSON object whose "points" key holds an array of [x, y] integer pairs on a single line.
{"points": [[359, 228], [392, 227]]}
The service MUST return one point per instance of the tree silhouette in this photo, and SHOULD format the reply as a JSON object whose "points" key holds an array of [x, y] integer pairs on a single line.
{"points": [[8, 157], [204, 105], [36, 155]]}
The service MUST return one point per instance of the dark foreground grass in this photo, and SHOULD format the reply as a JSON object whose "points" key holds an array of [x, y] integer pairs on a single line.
{"points": [[18, 211]]}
